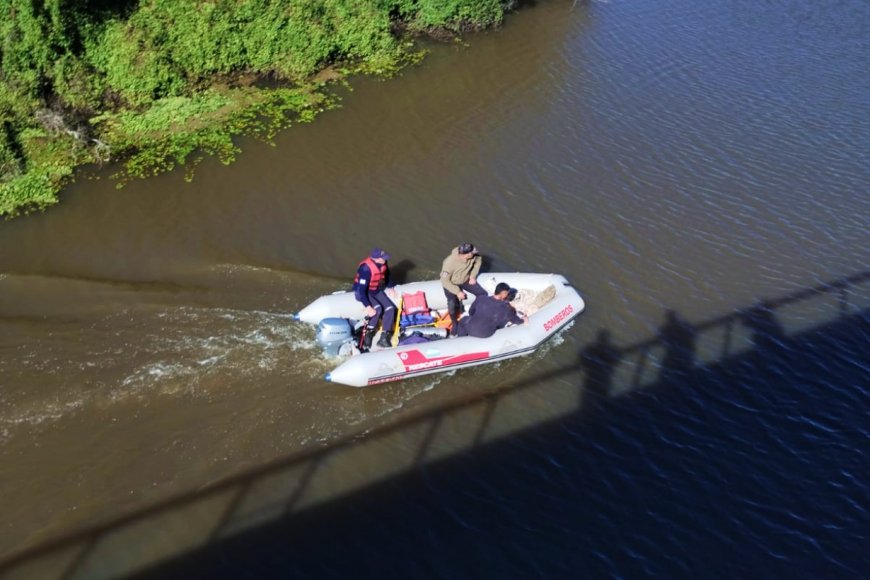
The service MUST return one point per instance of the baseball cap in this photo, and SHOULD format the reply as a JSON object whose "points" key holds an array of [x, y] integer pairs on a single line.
{"points": [[379, 253]]}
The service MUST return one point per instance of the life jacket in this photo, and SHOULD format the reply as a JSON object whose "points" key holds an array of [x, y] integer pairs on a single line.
{"points": [[418, 319], [378, 273], [414, 303]]}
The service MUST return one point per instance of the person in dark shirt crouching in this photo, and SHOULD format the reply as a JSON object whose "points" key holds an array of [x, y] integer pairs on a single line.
{"points": [[489, 313]]}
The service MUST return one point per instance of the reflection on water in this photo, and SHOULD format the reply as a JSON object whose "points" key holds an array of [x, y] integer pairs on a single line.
{"points": [[677, 161]]}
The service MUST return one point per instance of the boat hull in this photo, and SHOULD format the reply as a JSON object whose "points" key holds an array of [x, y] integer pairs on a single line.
{"points": [[443, 355]]}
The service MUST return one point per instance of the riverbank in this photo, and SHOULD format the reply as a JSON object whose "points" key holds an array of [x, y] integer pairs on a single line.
{"points": [[160, 85]]}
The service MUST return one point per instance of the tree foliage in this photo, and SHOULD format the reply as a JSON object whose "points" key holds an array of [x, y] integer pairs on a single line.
{"points": [[158, 80]]}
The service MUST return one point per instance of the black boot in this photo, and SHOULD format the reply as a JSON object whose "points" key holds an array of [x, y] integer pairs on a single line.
{"points": [[385, 341], [368, 337], [454, 325]]}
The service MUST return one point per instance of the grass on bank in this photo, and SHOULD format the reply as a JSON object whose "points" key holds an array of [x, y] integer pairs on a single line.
{"points": [[160, 138], [157, 84]]}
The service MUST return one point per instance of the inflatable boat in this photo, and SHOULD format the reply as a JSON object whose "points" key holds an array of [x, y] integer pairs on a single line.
{"points": [[549, 301]]}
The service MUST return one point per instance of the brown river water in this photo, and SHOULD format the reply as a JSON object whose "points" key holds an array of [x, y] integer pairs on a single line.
{"points": [[684, 157]]}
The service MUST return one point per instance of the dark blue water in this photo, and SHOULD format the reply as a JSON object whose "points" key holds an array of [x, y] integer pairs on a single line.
{"points": [[753, 467]]}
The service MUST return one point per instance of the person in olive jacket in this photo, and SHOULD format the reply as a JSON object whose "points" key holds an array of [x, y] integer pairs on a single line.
{"points": [[459, 275]]}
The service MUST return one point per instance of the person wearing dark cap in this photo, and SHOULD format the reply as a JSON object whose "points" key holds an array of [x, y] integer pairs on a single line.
{"points": [[372, 277], [458, 276], [490, 313]]}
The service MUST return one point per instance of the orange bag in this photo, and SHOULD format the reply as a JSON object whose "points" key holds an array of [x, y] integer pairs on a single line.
{"points": [[444, 321]]}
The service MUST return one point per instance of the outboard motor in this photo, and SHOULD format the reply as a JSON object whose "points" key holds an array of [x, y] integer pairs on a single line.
{"points": [[332, 334]]}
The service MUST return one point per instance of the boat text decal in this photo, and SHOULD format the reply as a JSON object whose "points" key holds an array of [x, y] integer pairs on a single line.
{"points": [[559, 317], [414, 360]]}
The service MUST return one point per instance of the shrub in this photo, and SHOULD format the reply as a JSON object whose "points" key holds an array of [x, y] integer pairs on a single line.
{"points": [[81, 79]]}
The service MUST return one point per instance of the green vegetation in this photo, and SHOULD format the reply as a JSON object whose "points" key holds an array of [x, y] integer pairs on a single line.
{"points": [[160, 83]]}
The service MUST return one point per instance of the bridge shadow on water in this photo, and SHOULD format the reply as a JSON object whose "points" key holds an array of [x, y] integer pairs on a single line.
{"points": [[736, 447]]}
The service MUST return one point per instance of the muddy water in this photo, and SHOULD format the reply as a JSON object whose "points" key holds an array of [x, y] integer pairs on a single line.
{"points": [[670, 156]]}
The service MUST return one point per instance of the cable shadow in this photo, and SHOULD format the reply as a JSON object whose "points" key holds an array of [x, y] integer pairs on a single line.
{"points": [[598, 362], [677, 336], [768, 335]]}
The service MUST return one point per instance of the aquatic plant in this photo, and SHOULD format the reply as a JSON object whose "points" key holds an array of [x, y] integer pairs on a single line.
{"points": [[160, 83]]}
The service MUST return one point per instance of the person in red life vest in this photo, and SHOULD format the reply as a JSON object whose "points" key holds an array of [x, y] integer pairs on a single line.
{"points": [[490, 313], [458, 276], [372, 277]]}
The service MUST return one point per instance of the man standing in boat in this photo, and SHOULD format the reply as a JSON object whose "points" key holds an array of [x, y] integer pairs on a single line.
{"points": [[372, 277], [458, 276]]}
